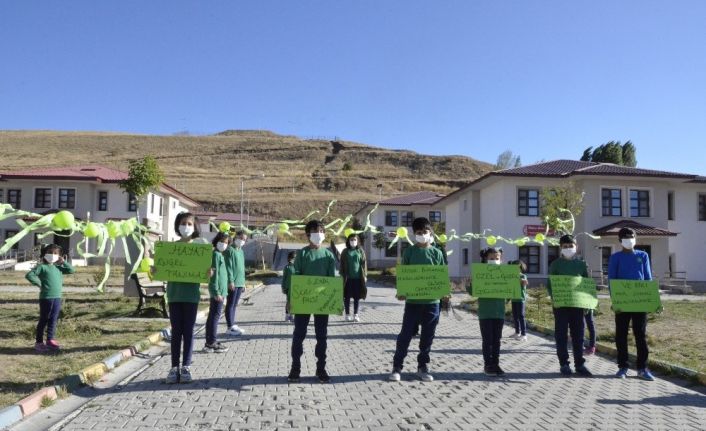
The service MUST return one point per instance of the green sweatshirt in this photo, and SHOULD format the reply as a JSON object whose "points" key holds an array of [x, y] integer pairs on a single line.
{"points": [[235, 264], [489, 308], [523, 289], [218, 285], [354, 258], [422, 256], [561, 266], [49, 278], [287, 279], [318, 261]]}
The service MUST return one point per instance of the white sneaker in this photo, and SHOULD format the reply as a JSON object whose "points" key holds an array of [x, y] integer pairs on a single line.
{"points": [[424, 375], [348, 317], [516, 336], [394, 376], [234, 331], [356, 318], [522, 338]]}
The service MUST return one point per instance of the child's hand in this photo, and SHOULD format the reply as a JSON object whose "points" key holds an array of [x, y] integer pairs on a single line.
{"points": [[219, 298], [211, 271], [231, 287], [60, 261], [524, 282], [401, 297]]}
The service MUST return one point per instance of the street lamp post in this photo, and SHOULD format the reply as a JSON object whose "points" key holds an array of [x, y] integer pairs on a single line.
{"points": [[242, 193]]}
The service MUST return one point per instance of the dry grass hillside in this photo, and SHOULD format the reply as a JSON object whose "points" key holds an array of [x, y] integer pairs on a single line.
{"points": [[297, 175]]}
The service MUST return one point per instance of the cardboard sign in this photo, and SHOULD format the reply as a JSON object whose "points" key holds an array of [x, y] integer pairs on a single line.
{"points": [[316, 295], [640, 296], [496, 281], [423, 281], [573, 291], [181, 261]]}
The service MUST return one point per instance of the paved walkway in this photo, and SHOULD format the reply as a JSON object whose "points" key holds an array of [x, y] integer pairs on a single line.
{"points": [[246, 388]]}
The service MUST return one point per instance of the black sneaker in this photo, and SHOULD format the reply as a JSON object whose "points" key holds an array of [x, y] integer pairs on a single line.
{"points": [[220, 348], [323, 376], [499, 371], [489, 370], [293, 376], [582, 371]]}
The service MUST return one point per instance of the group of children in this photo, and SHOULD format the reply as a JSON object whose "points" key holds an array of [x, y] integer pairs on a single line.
{"points": [[227, 282]]}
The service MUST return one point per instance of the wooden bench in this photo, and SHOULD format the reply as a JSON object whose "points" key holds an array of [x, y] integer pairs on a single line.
{"points": [[150, 291]]}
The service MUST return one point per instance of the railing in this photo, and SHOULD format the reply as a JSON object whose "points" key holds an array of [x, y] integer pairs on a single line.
{"points": [[13, 257]]}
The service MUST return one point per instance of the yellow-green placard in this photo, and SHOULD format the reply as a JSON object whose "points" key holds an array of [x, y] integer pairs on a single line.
{"points": [[182, 261], [423, 281], [641, 296], [312, 294], [495, 281], [573, 291]]}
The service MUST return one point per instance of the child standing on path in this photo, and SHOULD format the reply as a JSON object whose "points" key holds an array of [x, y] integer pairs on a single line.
{"points": [[354, 270], [491, 317], [287, 283], [183, 306], [48, 275], [423, 312], [630, 264], [217, 289], [518, 305], [235, 264], [312, 260]]}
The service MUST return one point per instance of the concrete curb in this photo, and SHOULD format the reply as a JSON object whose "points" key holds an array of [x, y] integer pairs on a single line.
{"points": [[32, 403], [611, 351]]}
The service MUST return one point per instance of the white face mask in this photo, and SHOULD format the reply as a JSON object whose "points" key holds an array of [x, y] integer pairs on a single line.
{"points": [[239, 243], [317, 238], [494, 262], [568, 252], [628, 243], [354, 243], [422, 239], [221, 246], [186, 230], [51, 258]]}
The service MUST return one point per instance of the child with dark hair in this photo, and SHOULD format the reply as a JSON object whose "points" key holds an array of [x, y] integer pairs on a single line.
{"points": [[312, 260], [287, 283], [491, 317], [183, 300], [217, 290], [630, 264], [569, 319], [235, 263], [48, 275], [354, 271], [422, 312], [518, 305]]}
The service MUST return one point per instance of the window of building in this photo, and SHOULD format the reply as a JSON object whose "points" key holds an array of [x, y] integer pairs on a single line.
{"points": [[528, 202], [102, 201], [406, 218], [465, 256], [9, 234], [639, 203], [670, 205], [552, 254], [612, 202], [14, 198], [390, 218], [131, 202], [605, 258], [435, 216], [390, 252], [702, 207], [530, 255], [67, 198], [42, 198]]}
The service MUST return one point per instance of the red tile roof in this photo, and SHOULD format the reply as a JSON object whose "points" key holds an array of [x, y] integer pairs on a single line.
{"points": [[419, 198], [639, 228], [97, 173]]}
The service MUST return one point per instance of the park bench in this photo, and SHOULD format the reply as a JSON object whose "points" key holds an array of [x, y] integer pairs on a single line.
{"points": [[675, 282], [150, 291]]}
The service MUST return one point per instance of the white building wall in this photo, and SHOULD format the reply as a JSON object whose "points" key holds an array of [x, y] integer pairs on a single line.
{"points": [[689, 247]]}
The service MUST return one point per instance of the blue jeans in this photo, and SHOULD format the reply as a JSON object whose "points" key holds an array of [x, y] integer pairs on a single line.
{"points": [[425, 315], [591, 328], [518, 316], [215, 309], [48, 316], [569, 320], [301, 321], [182, 316], [491, 331], [231, 304]]}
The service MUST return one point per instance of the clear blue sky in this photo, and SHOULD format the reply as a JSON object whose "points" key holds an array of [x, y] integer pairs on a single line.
{"points": [[545, 79]]}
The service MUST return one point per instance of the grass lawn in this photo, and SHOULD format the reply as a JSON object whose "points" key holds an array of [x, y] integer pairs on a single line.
{"points": [[86, 331], [677, 336], [85, 276]]}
